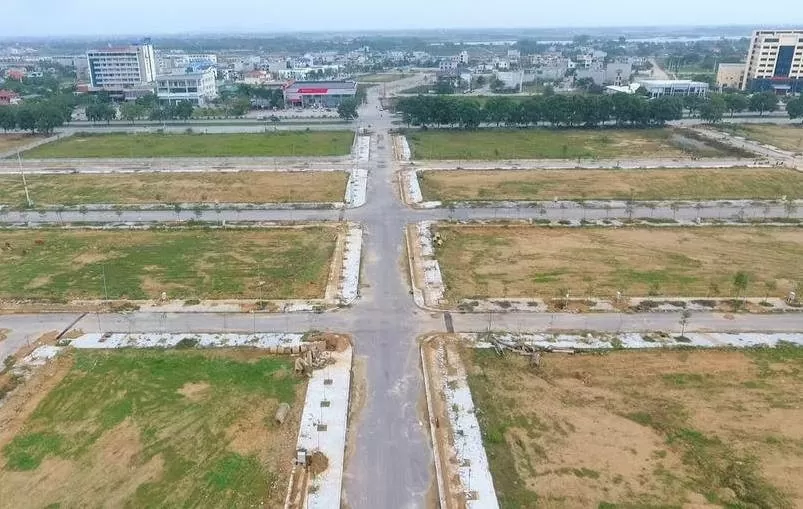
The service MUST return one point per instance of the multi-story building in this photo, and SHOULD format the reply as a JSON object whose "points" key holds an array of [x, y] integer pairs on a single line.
{"points": [[730, 75], [120, 68], [774, 61], [199, 88]]}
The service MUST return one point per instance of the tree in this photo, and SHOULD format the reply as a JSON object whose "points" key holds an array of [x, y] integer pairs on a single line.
{"points": [[183, 110], [684, 321], [740, 282], [26, 118], [48, 118], [712, 110], [131, 111], [8, 118], [735, 103], [765, 101], [794, 108], [693, 103], [347, 110]]}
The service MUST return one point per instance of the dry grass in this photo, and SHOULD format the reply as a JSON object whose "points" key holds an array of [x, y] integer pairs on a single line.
{"points": [[787, 137], [208, 187], [658, 184], [58, 265], [12, 141], [526, 261], [643, 429], [151, 429]]}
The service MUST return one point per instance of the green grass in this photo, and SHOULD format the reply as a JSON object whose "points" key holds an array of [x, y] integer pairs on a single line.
{"points": [[58, 265], [104, 389], [555, 144], [496, 416], [279, 144]]}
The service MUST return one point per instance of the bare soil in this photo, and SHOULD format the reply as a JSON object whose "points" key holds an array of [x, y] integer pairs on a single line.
{"points": [[668, 428], [526, 261]]}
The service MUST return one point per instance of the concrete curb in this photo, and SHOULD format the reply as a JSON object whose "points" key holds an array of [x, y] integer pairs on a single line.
{"points": [[432, 435]]}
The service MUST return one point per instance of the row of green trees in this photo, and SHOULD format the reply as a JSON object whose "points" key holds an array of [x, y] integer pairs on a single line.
{"points": [[556, 110], [42, 116], [588, 110]]}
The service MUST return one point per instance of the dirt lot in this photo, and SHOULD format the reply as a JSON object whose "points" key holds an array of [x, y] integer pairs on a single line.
{"points": [[658, 184], [530, 261], [53, 265], [147, 429], [691, 429], [543, 143], [788, 137], [12, 141], [210, 187]]}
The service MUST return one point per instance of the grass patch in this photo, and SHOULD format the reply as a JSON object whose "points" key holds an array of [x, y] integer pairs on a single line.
{"points": [[530, 261], [286, 143], [787, 137], [167, 188], [659, 184], [675, 424], [136, 403], [556, 144], [58, 265], [13, 141]]}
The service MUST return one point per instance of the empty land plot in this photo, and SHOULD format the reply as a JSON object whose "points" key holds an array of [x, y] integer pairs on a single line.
{"points": [[60, 265], [651, 429], [138, 428], [380, 78], [561, 144], [787, 137], [167, 187], [12, 141], [657, 184], [525, 261], [279, 144]]}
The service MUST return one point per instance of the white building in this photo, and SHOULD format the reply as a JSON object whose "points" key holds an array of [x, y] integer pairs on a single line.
{"points": [[658, 88], [199, 88], [120, 68], [774, 61]]}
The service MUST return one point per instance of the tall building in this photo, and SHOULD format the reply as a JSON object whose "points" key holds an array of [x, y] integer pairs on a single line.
{"points": [[774, 61], [120, 68]]}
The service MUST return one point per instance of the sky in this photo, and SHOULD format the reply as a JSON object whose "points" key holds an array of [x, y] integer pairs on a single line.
{"points": [[154, 17]]}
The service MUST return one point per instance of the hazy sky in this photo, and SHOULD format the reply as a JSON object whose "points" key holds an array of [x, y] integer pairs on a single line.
{"points": [[89, 17]]}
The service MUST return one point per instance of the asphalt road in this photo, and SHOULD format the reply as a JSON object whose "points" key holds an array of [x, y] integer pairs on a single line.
{"points": [[390, 465]]}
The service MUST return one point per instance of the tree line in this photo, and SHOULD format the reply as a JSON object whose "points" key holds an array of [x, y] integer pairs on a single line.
{"points": [[39, 116], [556, 110], [575, 110]]}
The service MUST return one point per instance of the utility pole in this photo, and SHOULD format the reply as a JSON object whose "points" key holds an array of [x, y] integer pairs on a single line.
{"points": [[24, 183]]}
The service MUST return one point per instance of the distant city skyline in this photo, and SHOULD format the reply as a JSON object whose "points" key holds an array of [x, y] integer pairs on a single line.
{"points": [[153, 17]]}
